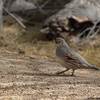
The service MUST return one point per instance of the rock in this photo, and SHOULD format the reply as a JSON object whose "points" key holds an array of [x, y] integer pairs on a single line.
{"points": [[77, 16], [21, 5], [88, 8]]}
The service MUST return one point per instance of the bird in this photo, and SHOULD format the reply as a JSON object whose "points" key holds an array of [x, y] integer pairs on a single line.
{"points": [[70, 59]]}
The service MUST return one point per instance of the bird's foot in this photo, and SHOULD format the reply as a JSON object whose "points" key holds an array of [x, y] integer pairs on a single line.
{"points": [[73, 73], [61, 72]]}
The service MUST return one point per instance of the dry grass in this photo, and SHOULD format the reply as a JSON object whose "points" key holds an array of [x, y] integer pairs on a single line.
{"points": [[46, 49], [92, 54]]}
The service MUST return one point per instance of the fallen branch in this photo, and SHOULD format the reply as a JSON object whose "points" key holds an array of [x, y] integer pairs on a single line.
{"points": [[15, 18]]}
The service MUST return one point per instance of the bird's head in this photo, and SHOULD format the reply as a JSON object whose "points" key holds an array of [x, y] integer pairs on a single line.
{"points": [[61, 42]]}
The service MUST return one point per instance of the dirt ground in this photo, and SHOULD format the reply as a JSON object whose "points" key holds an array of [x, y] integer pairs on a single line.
{"points": [[32, 78]]}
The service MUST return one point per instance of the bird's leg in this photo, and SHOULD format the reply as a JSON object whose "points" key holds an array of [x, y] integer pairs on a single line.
{"points": [[73, 71], [62, 71]]}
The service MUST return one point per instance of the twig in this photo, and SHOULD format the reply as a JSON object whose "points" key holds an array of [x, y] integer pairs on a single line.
{"points": [[38, 7], [83, 32], [44, 4], [98, 30], [92, 29], [91, 33]]}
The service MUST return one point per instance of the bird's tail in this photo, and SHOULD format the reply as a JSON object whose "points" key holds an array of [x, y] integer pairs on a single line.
{"points": [[95, 67]]}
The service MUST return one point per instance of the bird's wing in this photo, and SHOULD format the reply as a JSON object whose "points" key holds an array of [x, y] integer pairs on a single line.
{"points": [[68, 54], [80, 58]]}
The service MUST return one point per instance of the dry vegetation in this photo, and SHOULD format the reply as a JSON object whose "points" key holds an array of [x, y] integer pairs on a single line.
{"points": [[15, 39], [28, 62]]}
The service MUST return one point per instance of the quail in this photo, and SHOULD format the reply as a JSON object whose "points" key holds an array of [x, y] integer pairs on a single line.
{"points": [[70, 59]]}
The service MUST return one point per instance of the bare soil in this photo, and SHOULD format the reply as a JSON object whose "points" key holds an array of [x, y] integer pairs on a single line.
{"points": [[33, 78]]}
